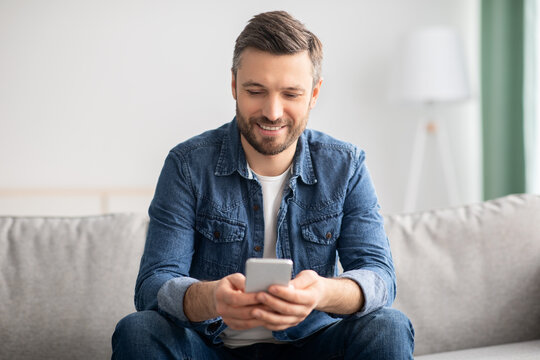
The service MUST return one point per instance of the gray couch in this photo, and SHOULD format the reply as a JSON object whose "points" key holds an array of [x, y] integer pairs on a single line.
{"points": [[468, 277]]}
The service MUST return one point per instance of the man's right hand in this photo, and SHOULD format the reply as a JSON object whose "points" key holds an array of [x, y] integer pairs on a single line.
{"points": [[225, 298], [234, 305]]}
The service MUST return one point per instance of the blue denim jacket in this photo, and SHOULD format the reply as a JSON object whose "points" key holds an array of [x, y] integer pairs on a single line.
{"points": [[206, 220]]}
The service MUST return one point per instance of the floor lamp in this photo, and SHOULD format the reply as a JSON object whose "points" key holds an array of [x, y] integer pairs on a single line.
{"points": [[432, 72]]}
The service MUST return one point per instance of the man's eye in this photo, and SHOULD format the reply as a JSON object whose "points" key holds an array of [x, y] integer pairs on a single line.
{"points": [[291, 96], [254, 93]]}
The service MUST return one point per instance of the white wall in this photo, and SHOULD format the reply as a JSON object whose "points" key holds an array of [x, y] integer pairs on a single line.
{"points": [[93, 94]]}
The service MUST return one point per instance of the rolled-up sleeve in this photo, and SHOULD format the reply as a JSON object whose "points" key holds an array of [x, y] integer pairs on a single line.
{"points": [[164, 270], [363, 247]]}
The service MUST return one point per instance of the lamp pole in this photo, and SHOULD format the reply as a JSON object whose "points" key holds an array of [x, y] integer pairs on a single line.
{"points": [[430, 126]]}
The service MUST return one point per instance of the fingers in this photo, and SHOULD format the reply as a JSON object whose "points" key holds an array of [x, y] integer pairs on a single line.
{"points": [[291, 295], [243, 313], [236, 299], [283, 307], [230, 291], [233, 305], [274, 321], [241, 318], [305, 289], [289, 309], [249, 322]]}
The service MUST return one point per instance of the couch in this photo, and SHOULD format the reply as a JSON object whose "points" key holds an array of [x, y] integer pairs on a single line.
{"points": [[468, 277]]}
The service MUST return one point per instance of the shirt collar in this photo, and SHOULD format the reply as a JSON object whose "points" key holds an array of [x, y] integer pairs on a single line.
{"points": [[232, 157]]}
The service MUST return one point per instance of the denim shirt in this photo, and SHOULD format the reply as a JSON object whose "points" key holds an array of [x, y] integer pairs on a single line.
{"points": [[206, 220]]}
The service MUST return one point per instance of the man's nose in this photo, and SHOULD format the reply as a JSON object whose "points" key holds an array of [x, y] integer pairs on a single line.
{"points": [[273, 109]]}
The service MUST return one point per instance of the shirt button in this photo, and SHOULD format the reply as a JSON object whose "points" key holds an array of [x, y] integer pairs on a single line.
{"points": [[256, 207], [257, 248], [217, 234], [328, 235]]}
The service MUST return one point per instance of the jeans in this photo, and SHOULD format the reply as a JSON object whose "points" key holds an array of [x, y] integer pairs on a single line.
{"points": [[383, 334]]}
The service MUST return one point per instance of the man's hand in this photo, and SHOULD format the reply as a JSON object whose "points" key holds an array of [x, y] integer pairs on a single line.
{"points": [[280, 308], [225, 298], [234, 305], [288, 306]]}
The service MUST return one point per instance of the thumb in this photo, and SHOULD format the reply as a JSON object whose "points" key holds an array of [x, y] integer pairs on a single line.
{"points": [[238, 281], [304, 279]]}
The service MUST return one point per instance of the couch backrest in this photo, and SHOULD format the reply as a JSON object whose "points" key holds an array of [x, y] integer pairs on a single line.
{"points": [[469, 276], [65, 283]]}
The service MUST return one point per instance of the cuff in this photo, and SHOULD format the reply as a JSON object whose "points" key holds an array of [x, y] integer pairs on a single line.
{"points": [[373, 289], [171, 301]]}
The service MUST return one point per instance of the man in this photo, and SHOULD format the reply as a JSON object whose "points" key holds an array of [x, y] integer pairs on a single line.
{"points": [[264, 186]]}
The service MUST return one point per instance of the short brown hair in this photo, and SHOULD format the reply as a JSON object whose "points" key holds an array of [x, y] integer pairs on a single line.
{"points": [[279, 33]]}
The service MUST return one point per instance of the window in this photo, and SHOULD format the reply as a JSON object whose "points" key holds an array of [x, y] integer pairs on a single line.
{"points": [[532, 95]]}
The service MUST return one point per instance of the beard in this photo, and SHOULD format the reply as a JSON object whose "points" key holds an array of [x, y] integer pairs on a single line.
{"points": [[269, 145]]}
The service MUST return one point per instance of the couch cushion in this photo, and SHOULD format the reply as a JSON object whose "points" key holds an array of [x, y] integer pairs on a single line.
{"points": [[65, 283], [529, 350], [469, 276]]}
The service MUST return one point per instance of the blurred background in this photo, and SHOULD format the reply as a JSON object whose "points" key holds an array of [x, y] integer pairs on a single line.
{"points": [[93, 95]]}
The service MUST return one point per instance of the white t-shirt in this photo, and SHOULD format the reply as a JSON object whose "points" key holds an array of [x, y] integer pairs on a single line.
{"points": [[272, 188]]}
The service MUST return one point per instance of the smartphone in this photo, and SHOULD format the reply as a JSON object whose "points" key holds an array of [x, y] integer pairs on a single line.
{"points": [[261, 273]]}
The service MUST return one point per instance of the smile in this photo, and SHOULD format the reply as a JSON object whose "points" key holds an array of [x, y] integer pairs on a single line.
{"points": [[270, 128]]}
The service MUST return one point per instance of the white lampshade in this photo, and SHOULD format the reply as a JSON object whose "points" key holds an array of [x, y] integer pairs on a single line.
{"points": [[431, 67]]}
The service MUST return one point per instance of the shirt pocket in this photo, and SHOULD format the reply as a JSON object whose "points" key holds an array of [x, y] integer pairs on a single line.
{"points": [[324, 230], [218, 249], [220, 230], [320, 236]]}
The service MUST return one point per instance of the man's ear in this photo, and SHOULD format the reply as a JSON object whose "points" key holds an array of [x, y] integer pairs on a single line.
{"points": [[315, 93], [233, 85]]}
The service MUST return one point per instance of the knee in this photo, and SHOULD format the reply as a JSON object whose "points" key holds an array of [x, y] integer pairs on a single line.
{"points": [[392, 321], [136, 326], [138, 321], [393, 317], [149, 335], [388, 333]]}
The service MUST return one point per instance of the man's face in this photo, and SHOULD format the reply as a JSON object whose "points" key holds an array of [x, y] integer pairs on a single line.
{"points": [[274, 95]]}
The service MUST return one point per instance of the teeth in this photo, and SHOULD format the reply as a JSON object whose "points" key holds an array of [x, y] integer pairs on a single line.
{"points": [[270, 128]]}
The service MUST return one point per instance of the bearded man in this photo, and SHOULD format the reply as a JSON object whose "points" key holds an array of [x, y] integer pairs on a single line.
{"points": [[264, 186]]}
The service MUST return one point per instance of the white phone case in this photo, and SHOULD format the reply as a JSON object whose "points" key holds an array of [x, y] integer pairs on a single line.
{"points": [[261, 273]]}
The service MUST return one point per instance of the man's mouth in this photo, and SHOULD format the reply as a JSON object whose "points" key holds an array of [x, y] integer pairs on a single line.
{"points": [[270, 128]]}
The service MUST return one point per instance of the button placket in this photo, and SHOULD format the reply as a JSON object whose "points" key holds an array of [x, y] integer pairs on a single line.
{"points": [[258, 225]]}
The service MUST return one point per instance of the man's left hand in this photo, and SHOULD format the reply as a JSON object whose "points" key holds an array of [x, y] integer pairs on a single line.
{"points": [[290, 304], [287, 306]]}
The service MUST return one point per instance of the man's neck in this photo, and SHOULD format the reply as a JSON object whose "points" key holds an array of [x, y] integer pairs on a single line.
{"points": [[268, 165]]}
